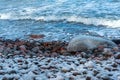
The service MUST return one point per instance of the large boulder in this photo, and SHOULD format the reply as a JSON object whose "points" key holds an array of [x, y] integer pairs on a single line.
{"points": [[83, 43]]}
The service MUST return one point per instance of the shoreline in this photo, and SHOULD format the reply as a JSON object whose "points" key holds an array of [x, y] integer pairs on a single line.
{"points": [[50, 49]]}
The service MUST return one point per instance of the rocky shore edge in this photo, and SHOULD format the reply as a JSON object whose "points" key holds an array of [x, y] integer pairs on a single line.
{"points": [[11, 48], [34, 60]]}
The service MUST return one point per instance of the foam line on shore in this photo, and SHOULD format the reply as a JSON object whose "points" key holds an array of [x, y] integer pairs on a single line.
{"points": [[112, 23]]}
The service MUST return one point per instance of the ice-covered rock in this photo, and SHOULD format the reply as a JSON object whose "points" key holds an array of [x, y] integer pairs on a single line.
{"points": [[83, 43], [90, 64]]}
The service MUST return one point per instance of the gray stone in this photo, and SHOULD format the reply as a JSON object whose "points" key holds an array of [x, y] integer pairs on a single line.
{"points": [[117, 55], [83, 43]]}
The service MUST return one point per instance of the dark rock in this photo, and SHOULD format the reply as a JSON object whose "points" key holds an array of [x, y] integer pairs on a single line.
{"points": [[35, 72], [82, 61], [19, 61], [110, 74], [16, 78], [117, 41], [95, 72], [26, 62], [76, 73], [114, 65], [108, 68], [25, 67], [35, 62], [84, 72], [88, 78], [71, 78], [114, 69], [2, 72], [5, 78], [35, 49], [10, 78], [1, 67], [106, 78], [12, 72], [10, 55]]}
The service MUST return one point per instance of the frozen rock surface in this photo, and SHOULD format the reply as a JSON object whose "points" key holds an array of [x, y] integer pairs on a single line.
{"points": [[83, 43]]}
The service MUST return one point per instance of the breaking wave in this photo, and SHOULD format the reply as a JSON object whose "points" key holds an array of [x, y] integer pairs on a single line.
{"points": [[112, 23]]}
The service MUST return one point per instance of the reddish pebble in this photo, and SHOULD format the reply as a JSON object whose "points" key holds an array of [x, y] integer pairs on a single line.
{"points": [[116, 49], [0, 54], [35, 36], [23, 48], [54, 54], [100, 48], [46, 54], [20, 61], [117, 55]]}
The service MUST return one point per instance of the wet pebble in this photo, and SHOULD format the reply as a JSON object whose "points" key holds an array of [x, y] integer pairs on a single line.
{"points": [[35, 49], [114, 65], [117, 55], [95, 72], [16, 52], [23, 48], [54, 54], [2, 72], [65, 69], [90, 64], [75, 73], [88, 78]]}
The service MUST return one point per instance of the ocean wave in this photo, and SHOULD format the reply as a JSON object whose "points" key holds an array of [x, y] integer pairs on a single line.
{"points": [[112, 23]]}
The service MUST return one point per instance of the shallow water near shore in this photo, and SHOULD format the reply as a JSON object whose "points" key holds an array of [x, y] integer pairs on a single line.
{"points": [[53, 30], [59, 19]]}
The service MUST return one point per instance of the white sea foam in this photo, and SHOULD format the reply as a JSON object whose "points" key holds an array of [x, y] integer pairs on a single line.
{"points": [[88, 21], [81, 11], [95, 21], [5, 16], [112, 23]]}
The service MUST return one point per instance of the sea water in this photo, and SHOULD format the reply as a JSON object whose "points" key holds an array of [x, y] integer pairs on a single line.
{"points": [[59, 19]]}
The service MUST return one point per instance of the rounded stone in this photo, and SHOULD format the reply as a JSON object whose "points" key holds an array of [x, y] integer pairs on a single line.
{"points": [[83, 43], [117, 55]]}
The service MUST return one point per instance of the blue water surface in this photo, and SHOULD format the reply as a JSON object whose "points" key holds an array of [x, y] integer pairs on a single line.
{"points": [[59, 19]]}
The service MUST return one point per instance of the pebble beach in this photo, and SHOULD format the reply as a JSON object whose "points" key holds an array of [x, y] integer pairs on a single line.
{"points": [[33, 60]]}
